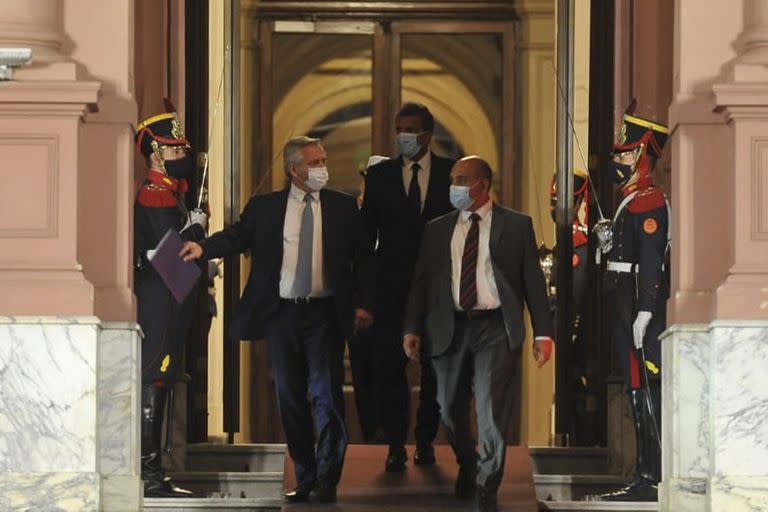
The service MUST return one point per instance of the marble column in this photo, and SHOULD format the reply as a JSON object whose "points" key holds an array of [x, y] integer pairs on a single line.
{"points": [[69, 414], [714, 429], [69, 430]]}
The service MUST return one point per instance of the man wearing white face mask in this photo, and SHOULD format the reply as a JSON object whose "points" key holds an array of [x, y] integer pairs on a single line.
{"points": [[308, 290], [476, 269], [401, 196]]}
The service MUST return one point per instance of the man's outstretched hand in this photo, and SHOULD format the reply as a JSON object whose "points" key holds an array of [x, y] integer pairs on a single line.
{"points": [[191, 251]]}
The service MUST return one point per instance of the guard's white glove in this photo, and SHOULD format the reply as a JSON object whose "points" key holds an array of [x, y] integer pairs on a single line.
{"points": [[151, 254], [639, 327], [198, 217]]}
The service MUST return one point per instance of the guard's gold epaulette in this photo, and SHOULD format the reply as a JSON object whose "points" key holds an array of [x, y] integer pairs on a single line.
{"points": [[647, 200], [153, 196]]}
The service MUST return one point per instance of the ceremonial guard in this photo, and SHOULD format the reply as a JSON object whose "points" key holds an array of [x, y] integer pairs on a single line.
{"points": [[577, 349], [637, 287], [165, 323]]}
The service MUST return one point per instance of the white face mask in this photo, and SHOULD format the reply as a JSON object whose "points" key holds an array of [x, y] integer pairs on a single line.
{"points": [[317, 178], [459, 196], [408, 144]]}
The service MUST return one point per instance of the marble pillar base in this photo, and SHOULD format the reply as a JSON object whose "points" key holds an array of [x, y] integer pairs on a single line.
{"points": [[69, 414], [54, 491], [738, 493], [122, 492], [119, 388], [714, 428]]}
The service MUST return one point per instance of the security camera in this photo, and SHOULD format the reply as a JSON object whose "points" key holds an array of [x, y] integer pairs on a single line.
{"points": [[12, 58]]}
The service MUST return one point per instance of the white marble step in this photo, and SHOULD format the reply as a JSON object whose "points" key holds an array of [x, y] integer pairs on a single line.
{"points": [[234, 484], [236, 457], [574, 487], [211, 504], [597, 506], [548, 460]]}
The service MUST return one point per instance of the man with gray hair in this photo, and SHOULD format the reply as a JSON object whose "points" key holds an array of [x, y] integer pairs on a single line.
{"points": [[308, 290]]}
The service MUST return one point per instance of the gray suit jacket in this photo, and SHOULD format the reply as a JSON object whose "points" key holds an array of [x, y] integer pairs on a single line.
{"points": [[519, 279]]}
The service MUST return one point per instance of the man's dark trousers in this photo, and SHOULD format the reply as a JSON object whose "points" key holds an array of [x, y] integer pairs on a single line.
{"points": [[391, 388], [479, 357], [306, 351]]}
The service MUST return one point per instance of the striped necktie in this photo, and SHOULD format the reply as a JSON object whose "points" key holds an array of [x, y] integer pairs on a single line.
{"points": [[468, 285]]}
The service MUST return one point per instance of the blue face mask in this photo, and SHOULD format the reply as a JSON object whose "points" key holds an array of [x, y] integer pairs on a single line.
{"points": [[408, 144], [460, 198]]}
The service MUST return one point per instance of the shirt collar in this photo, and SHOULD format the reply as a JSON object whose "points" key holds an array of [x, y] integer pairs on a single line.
{"points": [[298, 194], [424, 162], [483, 211]]}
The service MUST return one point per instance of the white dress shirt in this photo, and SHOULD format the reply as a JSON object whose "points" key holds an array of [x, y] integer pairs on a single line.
{"points": [[487, 293], [291, 231], [423, 177]]}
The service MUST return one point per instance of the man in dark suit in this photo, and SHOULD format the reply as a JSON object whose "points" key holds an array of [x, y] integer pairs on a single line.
{"points": [[401, 195], [306, 293], [476, 267]]}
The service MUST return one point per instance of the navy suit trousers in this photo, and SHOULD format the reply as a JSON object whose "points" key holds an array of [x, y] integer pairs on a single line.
{"points": [[306, 351]]}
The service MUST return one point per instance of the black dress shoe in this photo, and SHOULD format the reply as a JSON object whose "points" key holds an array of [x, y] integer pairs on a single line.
{"points": [[396, 460], [323, 494], [465, 483], [164, 487], [424, 456], [298, 495], [643, 489], [486, 502]]}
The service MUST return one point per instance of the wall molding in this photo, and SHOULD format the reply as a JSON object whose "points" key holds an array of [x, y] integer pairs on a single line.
{"points": [[50, 143], [759, 206]]}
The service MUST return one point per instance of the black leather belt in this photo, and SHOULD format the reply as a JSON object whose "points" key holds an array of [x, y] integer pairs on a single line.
{"points": [[306, 300], [477, 314]]}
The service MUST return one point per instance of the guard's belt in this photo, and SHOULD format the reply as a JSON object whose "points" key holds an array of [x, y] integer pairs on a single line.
{"points": [[623, 266]]}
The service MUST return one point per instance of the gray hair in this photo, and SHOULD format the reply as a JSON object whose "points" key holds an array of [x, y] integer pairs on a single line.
{"points": [[292, 151]]}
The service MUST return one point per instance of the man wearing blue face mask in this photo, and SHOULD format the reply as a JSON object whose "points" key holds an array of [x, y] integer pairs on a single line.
{"points": [[401, 195], [308, 290], [476, 269]]}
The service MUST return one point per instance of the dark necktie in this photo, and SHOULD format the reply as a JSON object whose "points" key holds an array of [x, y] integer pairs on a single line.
{"points": [[468, 285], [414, 191], [302, 283]]}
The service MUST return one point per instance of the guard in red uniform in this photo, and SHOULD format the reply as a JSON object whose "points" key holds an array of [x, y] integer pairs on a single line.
{"points": [[577, 348], [637, 288], [165, 323]]}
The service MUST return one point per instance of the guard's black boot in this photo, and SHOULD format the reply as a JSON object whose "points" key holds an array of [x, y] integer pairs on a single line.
{"points": [[156, 484], [644, 485], [654, 448]]}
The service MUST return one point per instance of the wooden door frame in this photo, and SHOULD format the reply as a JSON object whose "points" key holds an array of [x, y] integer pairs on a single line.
{"points": [[389, 23], [386, 87]]}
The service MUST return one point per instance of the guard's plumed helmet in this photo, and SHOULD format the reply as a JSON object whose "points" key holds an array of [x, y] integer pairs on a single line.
{"points": [[160, 130], [643, 135]]}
